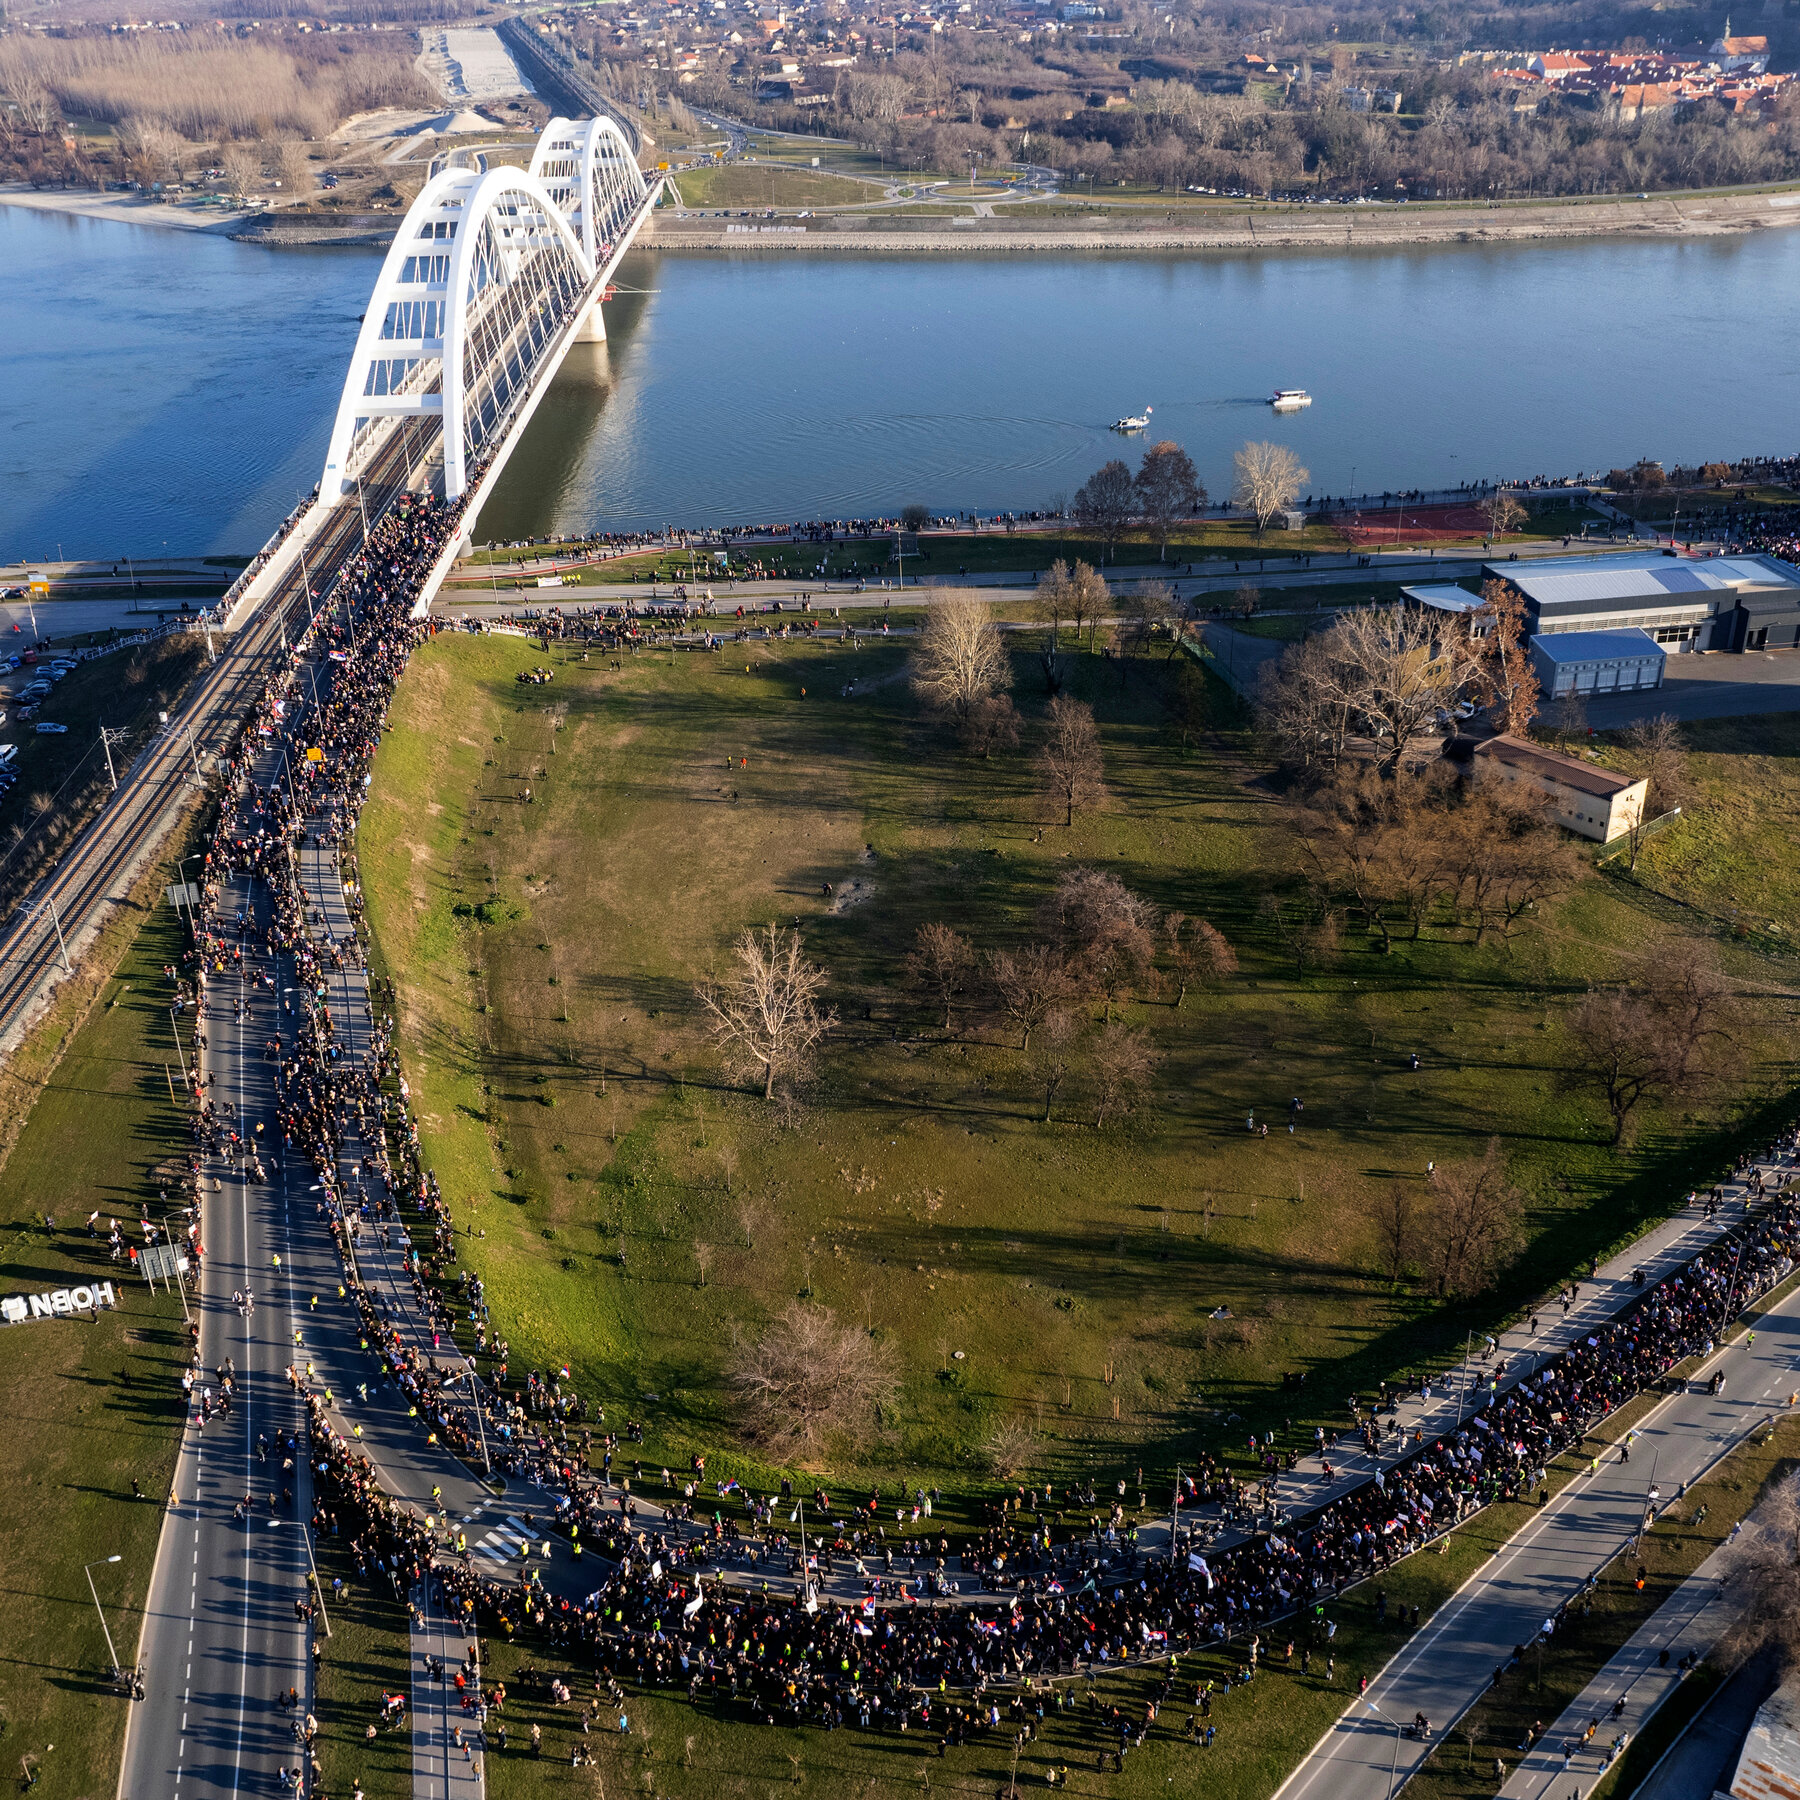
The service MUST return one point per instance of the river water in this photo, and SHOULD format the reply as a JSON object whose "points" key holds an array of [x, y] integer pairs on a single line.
{"points": [[161, 386]]}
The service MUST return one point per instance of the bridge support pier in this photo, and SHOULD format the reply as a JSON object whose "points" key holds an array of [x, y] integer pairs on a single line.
{"points": [[593, 328]]}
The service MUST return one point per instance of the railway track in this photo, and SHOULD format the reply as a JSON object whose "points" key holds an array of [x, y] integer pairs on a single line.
{"points": [[56, 920]]}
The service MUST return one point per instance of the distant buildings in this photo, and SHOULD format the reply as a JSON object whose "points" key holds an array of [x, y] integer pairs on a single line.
{"points": [[1731, 72]]}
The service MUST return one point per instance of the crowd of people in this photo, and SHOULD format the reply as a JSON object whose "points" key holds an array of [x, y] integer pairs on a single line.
{"points": [[904, 1644]]}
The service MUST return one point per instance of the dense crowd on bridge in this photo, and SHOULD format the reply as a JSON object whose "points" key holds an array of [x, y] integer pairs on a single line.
{"points": [[916, 1638]]}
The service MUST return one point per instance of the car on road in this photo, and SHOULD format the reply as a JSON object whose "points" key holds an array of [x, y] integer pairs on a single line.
{"points": [[49, 728]]}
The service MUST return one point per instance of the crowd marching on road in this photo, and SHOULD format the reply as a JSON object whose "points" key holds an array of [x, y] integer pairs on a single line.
{"points": [[873, 1620]]}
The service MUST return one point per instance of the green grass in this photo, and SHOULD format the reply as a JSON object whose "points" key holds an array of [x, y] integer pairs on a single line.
{"points": [[575, 1112], [765, 184], [1732, 852], [367, 1654], [88, 1406]]}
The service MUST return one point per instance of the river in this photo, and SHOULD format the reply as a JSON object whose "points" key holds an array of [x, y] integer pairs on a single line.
{"points": [[169, 387]]}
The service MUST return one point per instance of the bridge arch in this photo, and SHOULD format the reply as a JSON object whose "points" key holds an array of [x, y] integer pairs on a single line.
{"points": [[482, 277], [590, 169]]}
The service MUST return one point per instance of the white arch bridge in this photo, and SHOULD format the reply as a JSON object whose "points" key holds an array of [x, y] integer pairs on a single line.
{"points": [[494, 273]]}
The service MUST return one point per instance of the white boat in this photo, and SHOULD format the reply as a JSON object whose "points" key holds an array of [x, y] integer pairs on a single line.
{"points": [[1289, 399], [1141, 423]]}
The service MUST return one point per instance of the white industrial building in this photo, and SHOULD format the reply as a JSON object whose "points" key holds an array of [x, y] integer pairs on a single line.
{"points": [[1596, 662]]}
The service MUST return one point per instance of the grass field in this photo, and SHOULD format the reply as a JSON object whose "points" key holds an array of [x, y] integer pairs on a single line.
{"points": [[632, 1211], [88, 1406], [765, 184], [1732, 854], [367, 1654]]}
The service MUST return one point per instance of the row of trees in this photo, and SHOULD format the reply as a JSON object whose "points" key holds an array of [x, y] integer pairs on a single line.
{"points": [[1266, 480], [167, 90], [1095, 943], [1418, 851]]}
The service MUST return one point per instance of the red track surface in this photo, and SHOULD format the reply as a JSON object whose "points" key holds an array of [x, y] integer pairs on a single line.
{"points": [[1412, 524]]}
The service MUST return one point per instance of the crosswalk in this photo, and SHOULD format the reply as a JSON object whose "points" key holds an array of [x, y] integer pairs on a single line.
{"points": [[508, 1542]]}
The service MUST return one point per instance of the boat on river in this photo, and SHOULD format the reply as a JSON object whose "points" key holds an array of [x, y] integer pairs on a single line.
{"points": [[1128, 423], [1290, 399]]}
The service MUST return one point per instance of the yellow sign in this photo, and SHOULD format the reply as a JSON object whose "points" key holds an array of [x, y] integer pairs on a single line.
{"points": [[39, 587], [662, 168], [315, 755]]}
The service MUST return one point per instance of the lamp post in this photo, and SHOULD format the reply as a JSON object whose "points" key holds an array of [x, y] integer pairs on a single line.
{"points": [[1394, 1762], [88, 1571]]}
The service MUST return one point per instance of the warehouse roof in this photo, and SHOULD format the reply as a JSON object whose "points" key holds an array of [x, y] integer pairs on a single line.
{"points": [[1595, 646], [1552, 765], [1444, 597], [1561, 581]]}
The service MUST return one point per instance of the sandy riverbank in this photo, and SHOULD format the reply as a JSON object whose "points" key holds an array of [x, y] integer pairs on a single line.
{"points": [[123, 209], [1296, 228]]}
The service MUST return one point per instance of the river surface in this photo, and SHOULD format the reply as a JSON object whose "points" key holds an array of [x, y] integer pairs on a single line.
{"points": [[160, 386]]}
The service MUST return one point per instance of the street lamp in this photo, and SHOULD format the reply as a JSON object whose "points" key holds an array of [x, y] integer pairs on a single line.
{"points": [[1394, 1763], [87, 1570]]}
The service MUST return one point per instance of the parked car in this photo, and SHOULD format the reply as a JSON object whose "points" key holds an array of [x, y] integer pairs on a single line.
{"points": [[49, 728]]}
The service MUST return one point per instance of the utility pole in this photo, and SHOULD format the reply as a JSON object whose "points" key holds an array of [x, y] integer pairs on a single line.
{"points": [[68, 967], [107, 739], [195, 754]]}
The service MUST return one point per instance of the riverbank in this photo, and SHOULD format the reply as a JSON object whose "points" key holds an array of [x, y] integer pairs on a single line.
{"points": [[1252, 229], [1127, 229]]}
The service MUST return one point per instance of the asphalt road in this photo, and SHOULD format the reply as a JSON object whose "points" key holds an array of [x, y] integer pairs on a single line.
{"points": [[221, 1640], [1451, 1662]]}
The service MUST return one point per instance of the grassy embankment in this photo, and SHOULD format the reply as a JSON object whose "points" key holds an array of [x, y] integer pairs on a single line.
{"points": [[88, 1406], [764, 184], [576, 1114], [994, 552]]}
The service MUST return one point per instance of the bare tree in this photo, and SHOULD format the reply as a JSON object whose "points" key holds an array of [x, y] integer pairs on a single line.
{"points": [[36, 103], [807, 1377], [1395, 1230], [1197, 952], [1105, 502], [1246, 599], [1010, 1449], [1567, 717], [1151, 611], [1476, 1219], [1267, 479], [1307, 701], [768, 1018], [1051, 1055], [1399, 670], [962, 670], [1105, 930], [1029, 985], [1080, 592], [242, 166], [1502, 513], [1620, 1054], [1762, 1576], [295, 166], [941, 964], [1068, 760], [1168, 490], [1187, 702], [1659, 753], [1123, 1063]]}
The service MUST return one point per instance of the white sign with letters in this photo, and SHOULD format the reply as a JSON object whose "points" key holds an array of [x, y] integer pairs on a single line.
{"points": [[59, 1303]]}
